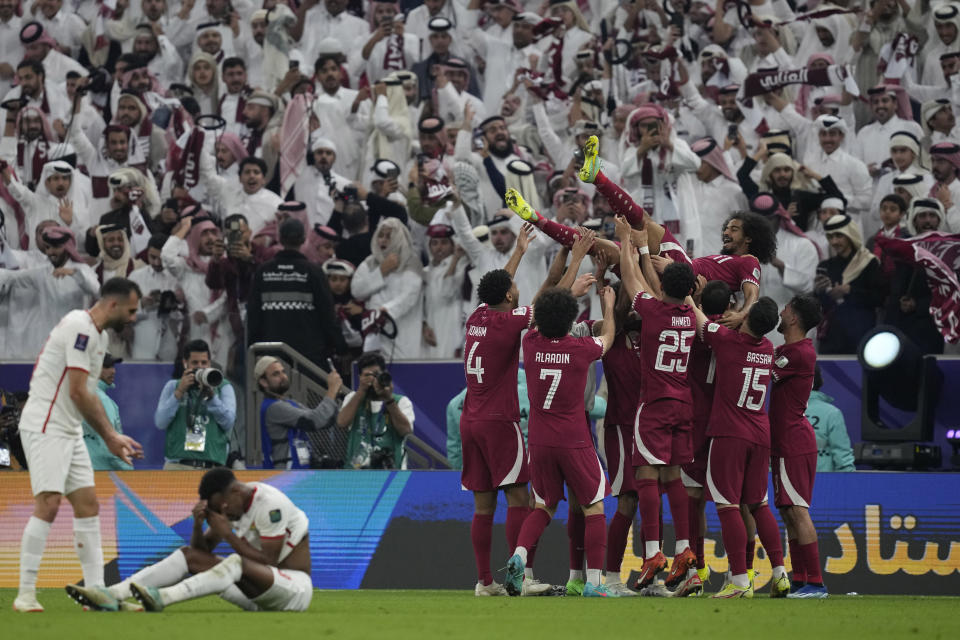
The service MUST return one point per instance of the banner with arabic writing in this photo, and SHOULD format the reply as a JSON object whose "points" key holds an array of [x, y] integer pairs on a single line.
{"points": [[880, 533]]}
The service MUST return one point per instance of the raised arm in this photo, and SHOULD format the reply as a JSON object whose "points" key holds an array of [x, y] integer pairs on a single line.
{"points": [[581, 247], [630, 274], [520, 248], [609, 324]]}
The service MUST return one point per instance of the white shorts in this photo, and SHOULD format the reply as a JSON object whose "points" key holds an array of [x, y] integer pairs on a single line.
{"points": [[59, 464], [291, 591]]}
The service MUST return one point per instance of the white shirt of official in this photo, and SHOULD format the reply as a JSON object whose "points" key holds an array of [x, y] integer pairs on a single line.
{"points": [[75, 343]]}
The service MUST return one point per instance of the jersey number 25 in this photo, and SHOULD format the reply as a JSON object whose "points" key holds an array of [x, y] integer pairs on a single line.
{"points": [[677, 343]]}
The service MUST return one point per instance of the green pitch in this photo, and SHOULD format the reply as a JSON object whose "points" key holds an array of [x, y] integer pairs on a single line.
{"points": [[416, 615]]}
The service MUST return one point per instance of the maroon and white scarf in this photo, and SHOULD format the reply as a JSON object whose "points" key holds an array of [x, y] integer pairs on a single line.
{"points": [[394, 58], [931, 252], [238, 116], [762, 82], [184, 158]]}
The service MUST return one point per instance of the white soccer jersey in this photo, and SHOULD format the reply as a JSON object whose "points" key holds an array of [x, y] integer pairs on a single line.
{"points": [[75, 343], [271, 515]]}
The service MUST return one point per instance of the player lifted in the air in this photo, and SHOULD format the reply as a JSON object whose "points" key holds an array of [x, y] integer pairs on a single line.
{"points": [[794, 445], [661, 435], [561, 447], [268, 571], [739, 450], [494, 456]]}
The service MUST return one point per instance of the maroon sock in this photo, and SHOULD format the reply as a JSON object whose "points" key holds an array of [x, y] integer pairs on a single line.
{"points": [[515, 518], [532, 529], [693, 529], [531, 555], [751, 550], [575, 532], [617, 541], [811, 563], [679, 509], [620, 201], [563, 234], [648, 496], [481, 535], [796, 559], [595, 539], [734, 535], [769, 533]]}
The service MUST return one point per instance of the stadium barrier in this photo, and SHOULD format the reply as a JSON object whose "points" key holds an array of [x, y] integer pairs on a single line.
{"points": [[431, 384], [880, 533]]}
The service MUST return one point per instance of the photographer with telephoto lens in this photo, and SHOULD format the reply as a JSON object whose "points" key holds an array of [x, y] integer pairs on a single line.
{"points": [[197, 410], [377, 418]]}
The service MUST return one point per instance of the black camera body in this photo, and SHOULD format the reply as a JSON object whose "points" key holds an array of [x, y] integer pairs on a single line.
{"points": [[168, 303], [384, 379]]}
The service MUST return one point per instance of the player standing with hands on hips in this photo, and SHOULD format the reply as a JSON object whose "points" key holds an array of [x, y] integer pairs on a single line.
{"points": [[62, 396]]}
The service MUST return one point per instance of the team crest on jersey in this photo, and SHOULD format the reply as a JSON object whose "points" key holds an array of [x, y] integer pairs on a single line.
{"points": [[713, 327], [782, 362], [82, 341], [756, 273], [275, 515], [520, 311]]}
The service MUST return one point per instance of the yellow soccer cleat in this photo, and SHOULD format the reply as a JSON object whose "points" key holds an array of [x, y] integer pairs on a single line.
{"points": [[591, 163], [519, 206]]}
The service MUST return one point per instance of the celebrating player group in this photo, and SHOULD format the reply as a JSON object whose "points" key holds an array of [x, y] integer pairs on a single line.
{"points": [[687, 368]]}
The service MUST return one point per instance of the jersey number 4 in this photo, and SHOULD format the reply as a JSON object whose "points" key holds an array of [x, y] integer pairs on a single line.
{"points": [[673, 342], [475, 369], [754, 390]]}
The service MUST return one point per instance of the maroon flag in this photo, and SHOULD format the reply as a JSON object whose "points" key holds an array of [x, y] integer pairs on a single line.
{"points": [[945, 246], [941, 278], [183, 158]]}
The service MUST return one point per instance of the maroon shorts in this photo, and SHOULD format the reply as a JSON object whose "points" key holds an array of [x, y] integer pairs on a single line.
{"points": [[618, 447], [551, 467], [694, 474], [493, 455], [662, 433], [737, 471], [793, 480]]}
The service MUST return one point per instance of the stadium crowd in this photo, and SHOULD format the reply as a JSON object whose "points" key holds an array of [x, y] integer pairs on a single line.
{"points": [[169, 142]]}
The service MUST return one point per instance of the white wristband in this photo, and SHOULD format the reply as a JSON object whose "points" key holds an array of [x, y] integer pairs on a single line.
{"points": [[644, 251]]}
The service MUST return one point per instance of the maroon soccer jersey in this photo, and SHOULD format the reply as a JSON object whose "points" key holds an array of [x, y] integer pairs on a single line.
{"points": [[790, 431], [733, 270], [556, 377], [667, 332], [491, 353], [701, 375], [671, 248], [623, 372], [744, 364]]}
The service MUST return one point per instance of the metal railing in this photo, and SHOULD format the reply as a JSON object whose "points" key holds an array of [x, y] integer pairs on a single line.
{"points": [[308, 387]]}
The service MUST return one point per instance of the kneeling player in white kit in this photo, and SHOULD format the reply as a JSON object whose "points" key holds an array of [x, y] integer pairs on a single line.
{"points": [[62, 395], [269, 571]]}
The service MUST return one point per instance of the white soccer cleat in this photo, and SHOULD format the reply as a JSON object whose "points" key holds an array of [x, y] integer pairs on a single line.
{"points": [[27, 604], [92, 598], [533, 587], [620, 590], [131, 605], [492, 589], [656, 590]]}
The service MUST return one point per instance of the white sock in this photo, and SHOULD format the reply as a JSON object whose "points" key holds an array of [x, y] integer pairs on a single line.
{"points": [[779, 571], [651, 548], [168, 571], [233, 595], [576, 574], [593, 577], [86, 541], [681, 546], [741, 580], [611, 578], [215, 580], [522, 552], [32, 544], [528, 573]]}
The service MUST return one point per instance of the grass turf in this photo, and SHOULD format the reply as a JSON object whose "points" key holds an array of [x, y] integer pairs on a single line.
{"points": [[423, 614]]}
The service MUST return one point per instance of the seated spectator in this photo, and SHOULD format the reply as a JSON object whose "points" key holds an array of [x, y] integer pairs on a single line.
{"points": [[377, 418], [850, 287], [100, 456], [284, 422], [197, 417], [834, 452]]}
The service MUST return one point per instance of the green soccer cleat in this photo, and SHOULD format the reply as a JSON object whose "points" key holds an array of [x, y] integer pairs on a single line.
{"points": [[575, 587], [591, 590], [591, 163], [780, 587], [731, 591], [519, 206], [95, 598], [513, 583], [149, 597]]}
